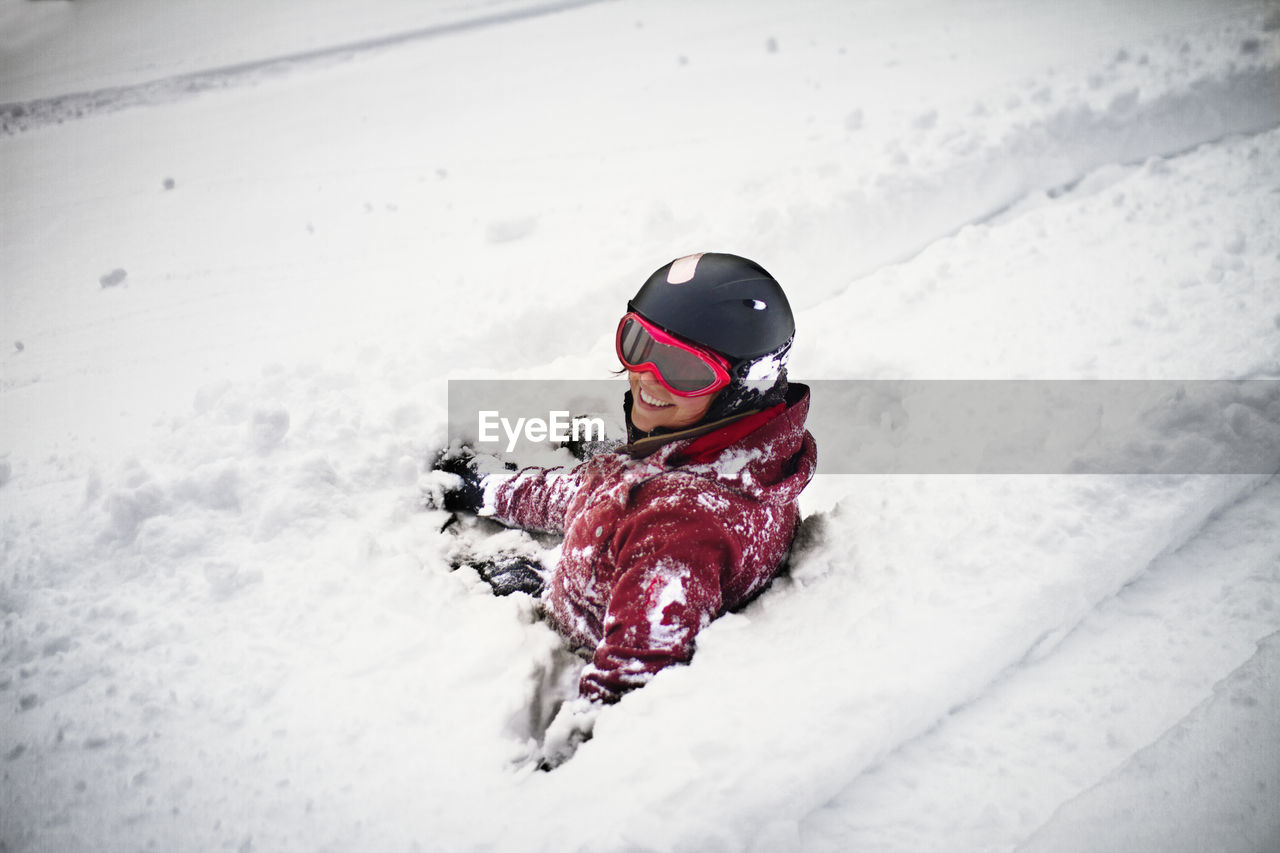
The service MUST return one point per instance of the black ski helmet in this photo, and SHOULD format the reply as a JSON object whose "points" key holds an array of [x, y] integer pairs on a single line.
{"points": [[722, 302], [731, 305]]}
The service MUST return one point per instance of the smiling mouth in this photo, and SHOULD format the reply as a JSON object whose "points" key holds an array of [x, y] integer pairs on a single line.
{"points": [[652, 401]]}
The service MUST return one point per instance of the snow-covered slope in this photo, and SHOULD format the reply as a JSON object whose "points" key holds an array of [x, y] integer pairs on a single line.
{"points": [[228, 319], [1200, 786], [66, 59], [997, 767]]}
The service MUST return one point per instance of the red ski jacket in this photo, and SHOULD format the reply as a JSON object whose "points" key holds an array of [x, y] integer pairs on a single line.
{"points": [[657, 547]]}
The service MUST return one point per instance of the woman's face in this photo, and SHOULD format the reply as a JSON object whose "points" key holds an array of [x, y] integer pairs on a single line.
{"points": [[653, 406]]}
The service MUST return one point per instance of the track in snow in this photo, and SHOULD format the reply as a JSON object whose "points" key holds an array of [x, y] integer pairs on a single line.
{"points": [[22, 116]]}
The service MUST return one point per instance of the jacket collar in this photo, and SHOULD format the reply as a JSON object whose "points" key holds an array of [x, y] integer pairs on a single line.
{"points": [[708, 439], [646, 445]]}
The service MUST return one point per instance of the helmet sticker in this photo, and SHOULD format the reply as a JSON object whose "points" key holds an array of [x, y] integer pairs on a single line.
{"points": [[683, 269]]}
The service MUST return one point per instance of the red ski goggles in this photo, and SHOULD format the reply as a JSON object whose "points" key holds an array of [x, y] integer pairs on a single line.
{"points": [[683, 369]]}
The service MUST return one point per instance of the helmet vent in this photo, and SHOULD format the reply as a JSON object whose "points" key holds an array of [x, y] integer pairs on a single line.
{"points": [[755, 304]]}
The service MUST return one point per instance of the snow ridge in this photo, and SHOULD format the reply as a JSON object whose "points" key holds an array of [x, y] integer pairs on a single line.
{"points": [[1215, 772], [942, 173], [23, 116]]}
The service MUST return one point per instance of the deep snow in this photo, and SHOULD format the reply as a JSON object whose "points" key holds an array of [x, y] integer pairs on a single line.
{"points": [[227, 622]]}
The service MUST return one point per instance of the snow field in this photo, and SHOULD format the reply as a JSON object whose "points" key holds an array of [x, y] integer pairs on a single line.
{"points": [[1220, 763], [243, 618], [145, 42], [308, 221], [998, 767], [227, 624], [1126, 306]]}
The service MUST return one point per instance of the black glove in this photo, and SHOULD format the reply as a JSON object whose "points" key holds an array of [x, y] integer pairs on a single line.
{"points": [[509, 573], [586, 444], [467, 496]]}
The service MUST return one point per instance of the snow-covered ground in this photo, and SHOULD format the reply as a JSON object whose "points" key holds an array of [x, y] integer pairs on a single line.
{"points": [[243, 245]]}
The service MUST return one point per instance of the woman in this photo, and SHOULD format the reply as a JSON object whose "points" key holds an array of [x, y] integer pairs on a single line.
{"points": [[696, 513]]}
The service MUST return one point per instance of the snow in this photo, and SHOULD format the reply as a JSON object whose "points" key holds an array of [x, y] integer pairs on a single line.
{"points": [[671, 592], [1134, 669], [1214, 763], [244, 246]]}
